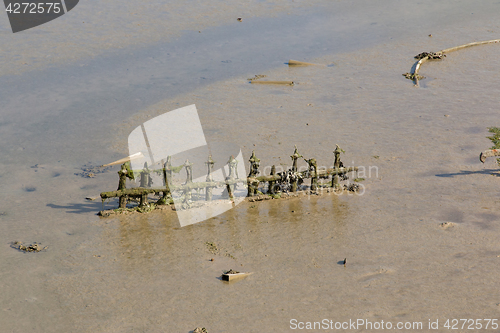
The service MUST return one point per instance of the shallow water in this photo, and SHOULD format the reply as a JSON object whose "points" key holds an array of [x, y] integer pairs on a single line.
{"points": [[144, 273]]}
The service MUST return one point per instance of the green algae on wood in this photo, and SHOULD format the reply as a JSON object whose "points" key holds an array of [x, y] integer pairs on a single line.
{"points": [[277, 183]]}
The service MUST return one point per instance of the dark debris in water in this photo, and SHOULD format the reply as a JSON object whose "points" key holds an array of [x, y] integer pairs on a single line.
{"points": [[430, 55], [35, 247], [30, 188], [412, 76], [231, 271], [257, 77], [90, 171], [353, 187]]}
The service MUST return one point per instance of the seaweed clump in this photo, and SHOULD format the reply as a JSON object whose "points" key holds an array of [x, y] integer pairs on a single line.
{"points": [[495, 138], [90, 171]]}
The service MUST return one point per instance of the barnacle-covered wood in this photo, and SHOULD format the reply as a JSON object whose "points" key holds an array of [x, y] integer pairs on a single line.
{"points": [[489, 153]]}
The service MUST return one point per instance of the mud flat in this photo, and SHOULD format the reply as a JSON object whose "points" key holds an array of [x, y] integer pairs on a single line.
{"points": [[142, 272]]}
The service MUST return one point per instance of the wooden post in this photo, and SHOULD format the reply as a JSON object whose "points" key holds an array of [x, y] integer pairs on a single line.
{"points": [[232, 172], [167, 174], [210, 165], [337, 164], [145, 176], [144, 200], [145, 182], [314, 168], [189, 172], [189, 180], [123, 174], [272, 183], [254, 171], [294, 157]]}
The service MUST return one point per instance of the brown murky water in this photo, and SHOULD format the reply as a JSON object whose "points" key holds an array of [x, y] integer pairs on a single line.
{"points": [[142, 273]]}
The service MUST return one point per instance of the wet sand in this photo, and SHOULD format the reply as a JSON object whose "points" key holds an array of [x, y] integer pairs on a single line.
{"points": [[142, 273]]}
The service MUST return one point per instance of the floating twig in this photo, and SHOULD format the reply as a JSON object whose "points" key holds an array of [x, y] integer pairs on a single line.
{"points": [[126, 159]]}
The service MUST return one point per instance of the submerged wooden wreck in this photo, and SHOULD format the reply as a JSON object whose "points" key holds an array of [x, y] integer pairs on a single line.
{"points": [[272, 186]]}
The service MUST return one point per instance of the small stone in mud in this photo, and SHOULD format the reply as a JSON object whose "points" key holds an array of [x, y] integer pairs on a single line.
{"points": [[200, 330], [35, 247], [446, 225], [30, 188], [212, 247]]}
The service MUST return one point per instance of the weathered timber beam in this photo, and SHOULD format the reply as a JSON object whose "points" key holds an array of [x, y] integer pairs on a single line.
{"points": [[327, 172], [138, 191]]}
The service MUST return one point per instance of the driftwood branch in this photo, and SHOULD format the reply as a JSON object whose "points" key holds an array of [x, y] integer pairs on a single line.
{"points": [[423, 57], [489, 153]]}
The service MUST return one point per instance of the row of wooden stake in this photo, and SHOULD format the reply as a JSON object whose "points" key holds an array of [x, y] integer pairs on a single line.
{"points": [[277, 182]]}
